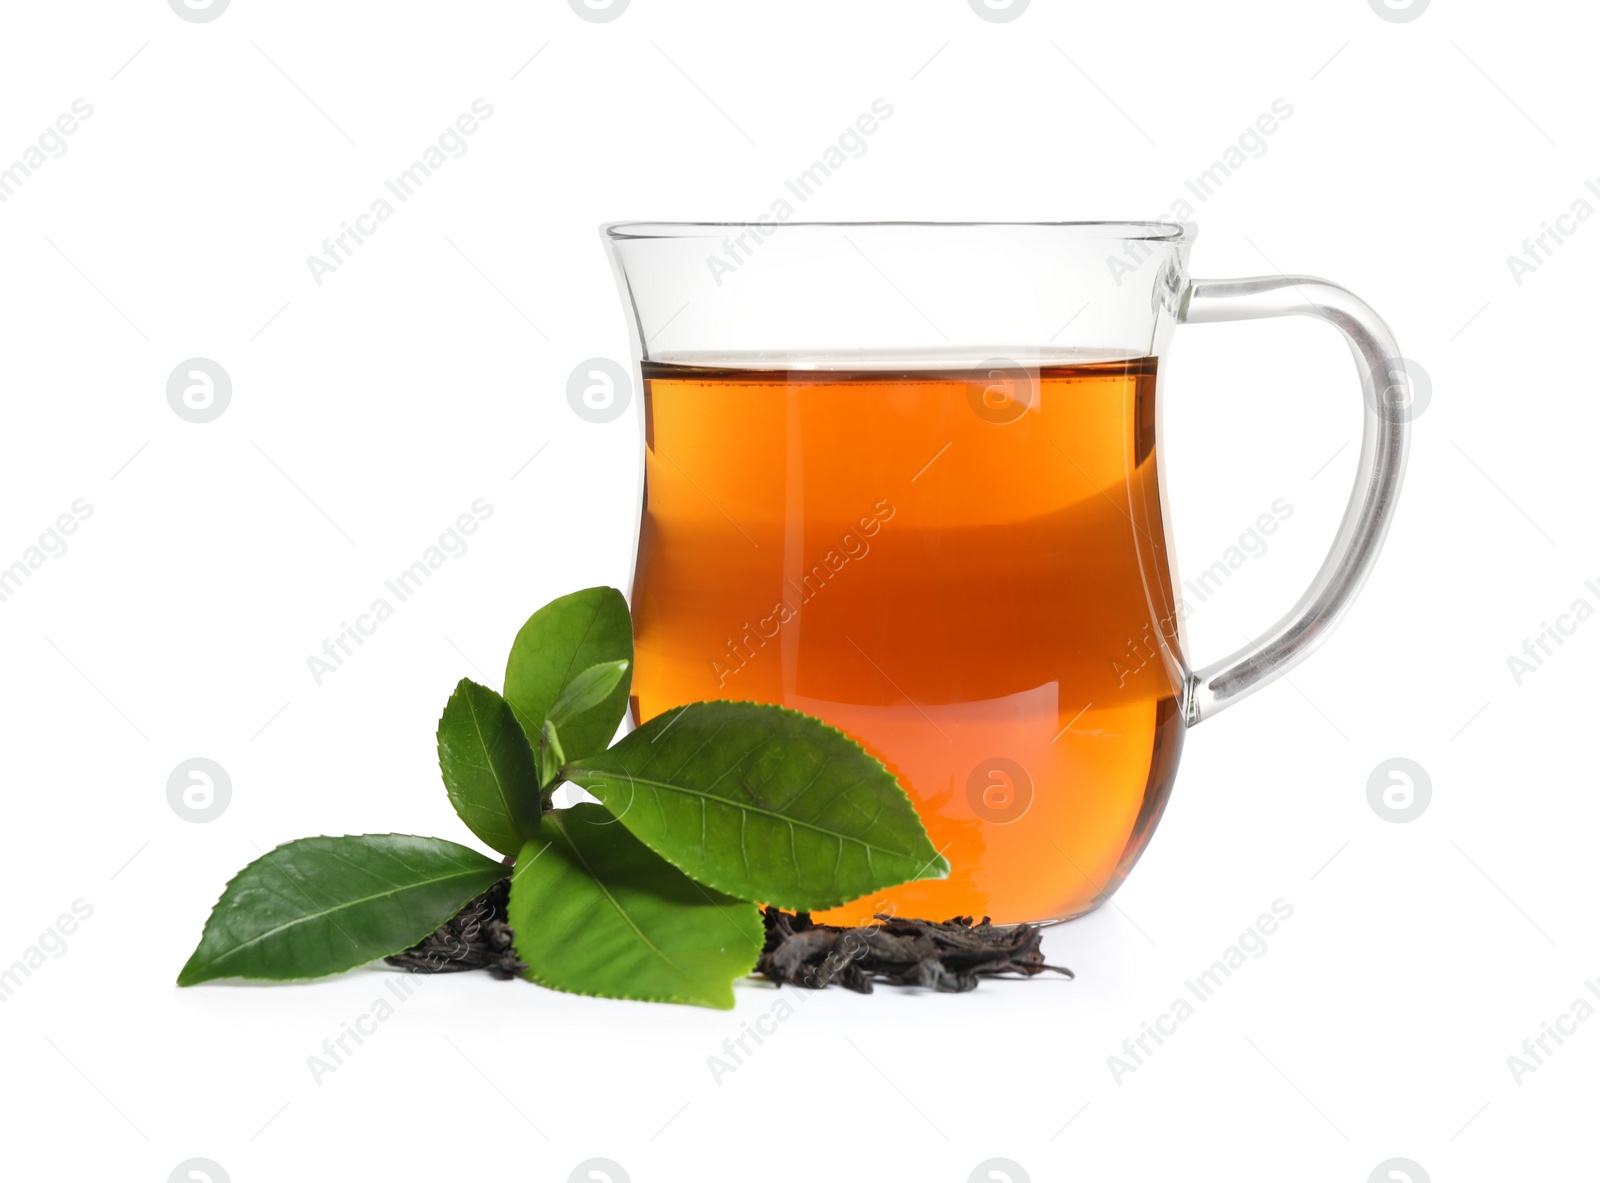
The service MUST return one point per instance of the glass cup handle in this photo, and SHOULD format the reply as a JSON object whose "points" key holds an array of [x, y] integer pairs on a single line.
{"points": [[1385, 433]]}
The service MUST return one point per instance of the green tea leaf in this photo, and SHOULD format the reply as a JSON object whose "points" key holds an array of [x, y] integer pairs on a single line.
{"points": [[559, 642], [323, 905], [595, 912], [585, 692], [549, 755], [763, 803], [488, 767]]}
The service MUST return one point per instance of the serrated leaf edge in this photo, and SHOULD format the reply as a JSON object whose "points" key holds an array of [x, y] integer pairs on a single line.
{"points": [[184, 980], [938, 861], [438, 744], [675, 999]]}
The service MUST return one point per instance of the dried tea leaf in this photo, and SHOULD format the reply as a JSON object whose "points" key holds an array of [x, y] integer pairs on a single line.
{"points": [[478, 937], [950, 957]]}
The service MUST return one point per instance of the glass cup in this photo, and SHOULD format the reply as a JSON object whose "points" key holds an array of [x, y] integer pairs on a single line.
{"points": [[906, 477]]}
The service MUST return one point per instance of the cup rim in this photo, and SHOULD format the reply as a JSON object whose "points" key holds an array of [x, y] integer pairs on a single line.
{"points": [[1145, 231]]}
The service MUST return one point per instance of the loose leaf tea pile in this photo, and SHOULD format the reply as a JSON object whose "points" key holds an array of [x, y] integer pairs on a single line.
{"points": [[652, 893], [948, 957], [477, 938]]}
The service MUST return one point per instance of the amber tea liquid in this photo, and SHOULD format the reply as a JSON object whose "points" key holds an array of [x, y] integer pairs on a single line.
{"points": [[971, 579]]}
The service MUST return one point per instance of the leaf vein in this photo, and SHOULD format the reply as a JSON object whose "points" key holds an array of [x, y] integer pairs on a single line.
{"points": [[327, 913], [667, 786]]}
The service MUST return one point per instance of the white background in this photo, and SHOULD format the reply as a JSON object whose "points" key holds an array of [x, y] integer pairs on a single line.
{"points": [[370, 411]]}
